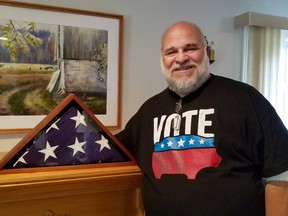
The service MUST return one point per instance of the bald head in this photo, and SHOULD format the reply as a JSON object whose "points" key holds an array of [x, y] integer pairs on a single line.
{"points": [[181, 28]]}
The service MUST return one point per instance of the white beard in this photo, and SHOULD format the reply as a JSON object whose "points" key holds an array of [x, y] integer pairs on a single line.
{"points": [[185, 85]]}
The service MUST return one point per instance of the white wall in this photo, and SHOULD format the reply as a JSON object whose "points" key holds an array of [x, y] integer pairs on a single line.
{"points": [[144, 23]]}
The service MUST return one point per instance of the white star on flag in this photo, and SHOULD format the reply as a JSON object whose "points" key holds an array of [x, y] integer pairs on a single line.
{"points": [[80, 119], [53, 126], [77, 146], [21, 159], [181, 142], [103, 143], [191, 141], [48, 151], [169, 143], [201, 141]]}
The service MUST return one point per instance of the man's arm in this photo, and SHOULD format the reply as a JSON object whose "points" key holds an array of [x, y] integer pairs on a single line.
{"points": [[276, 198]]}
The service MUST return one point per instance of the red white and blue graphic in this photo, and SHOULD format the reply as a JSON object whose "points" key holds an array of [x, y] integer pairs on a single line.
{"points": [[186, 154]]}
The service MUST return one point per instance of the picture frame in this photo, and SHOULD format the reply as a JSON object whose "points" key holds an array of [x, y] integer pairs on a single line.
{"points": [[109, 25]]}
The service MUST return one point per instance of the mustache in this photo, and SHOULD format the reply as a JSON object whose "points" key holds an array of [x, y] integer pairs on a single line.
{"points": [[183, 66]]}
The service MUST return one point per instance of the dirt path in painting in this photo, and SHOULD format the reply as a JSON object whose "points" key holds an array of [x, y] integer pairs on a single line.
{"points": [[4, 97]]}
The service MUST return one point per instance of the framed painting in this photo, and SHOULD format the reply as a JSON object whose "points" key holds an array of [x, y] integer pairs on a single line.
{"points": [[48, 52]]}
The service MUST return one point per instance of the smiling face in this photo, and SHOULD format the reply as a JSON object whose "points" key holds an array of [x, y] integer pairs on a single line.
{"points": [[184, 60]]}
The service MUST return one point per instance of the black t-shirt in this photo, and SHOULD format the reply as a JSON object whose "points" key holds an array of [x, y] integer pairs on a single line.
{"points": [[230, 137]]}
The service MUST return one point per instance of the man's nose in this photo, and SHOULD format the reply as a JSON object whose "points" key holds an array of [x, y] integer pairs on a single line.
{"points": [[181, 57]]}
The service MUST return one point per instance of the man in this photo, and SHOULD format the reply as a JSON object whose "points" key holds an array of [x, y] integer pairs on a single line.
{"points": [[207, 145]]}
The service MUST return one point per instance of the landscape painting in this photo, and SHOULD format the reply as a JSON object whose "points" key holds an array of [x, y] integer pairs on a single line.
{"points": [[40, 64]]}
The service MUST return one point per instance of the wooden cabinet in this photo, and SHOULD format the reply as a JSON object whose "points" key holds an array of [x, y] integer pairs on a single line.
{"points": [[81, 191]]}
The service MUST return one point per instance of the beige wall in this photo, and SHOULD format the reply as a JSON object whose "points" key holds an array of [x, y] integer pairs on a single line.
{"points": [[144, 22]]}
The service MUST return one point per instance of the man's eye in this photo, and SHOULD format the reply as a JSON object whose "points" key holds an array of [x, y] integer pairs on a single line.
{"points": [[191, 49], [171, 53]]}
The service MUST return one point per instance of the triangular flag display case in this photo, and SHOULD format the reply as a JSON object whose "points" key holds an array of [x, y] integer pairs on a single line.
{"points": [[70, 164]]}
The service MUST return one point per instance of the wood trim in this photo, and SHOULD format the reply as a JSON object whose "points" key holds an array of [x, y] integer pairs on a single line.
{"points": [[29, 178], [58, 9], [263, 20], [2, 154]]}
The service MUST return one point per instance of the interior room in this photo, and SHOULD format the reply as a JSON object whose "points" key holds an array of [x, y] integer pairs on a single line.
{"points": [[144, 22]]}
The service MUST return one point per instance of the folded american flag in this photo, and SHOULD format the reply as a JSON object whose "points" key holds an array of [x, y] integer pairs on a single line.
{"points": [[70, 138]]}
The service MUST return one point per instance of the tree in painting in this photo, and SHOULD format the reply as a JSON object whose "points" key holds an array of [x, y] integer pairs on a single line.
{"points": [[19, 40], [27, 55], [41, 63]]}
